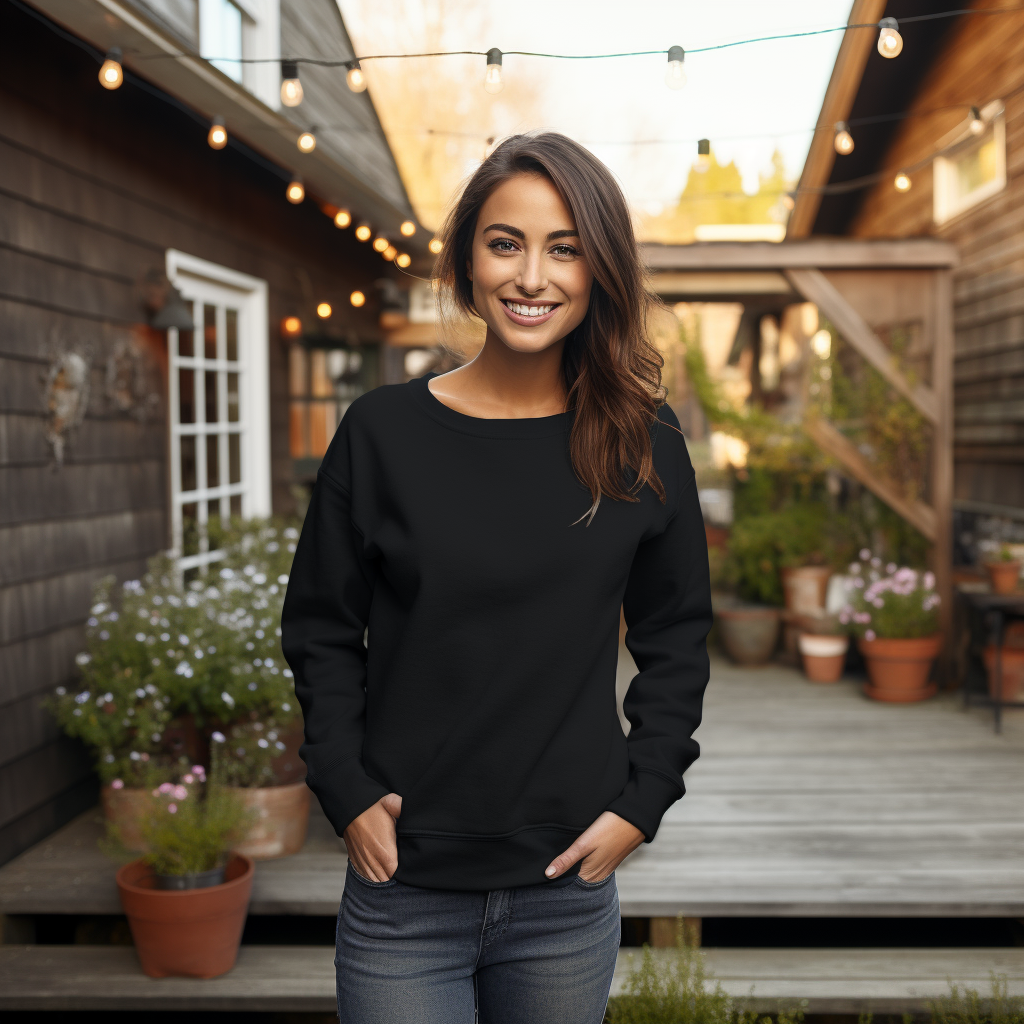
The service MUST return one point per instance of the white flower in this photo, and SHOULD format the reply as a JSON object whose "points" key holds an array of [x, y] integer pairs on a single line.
{"points": [[61, 691], [113, 617], [109, 758], [226, 574], [282, 579], [108, 696], [184, 669], [165, 637], [259, 634], [77, 711], [286, 707], [279, 745], [182, 639], [287, 674], [217, 737], [92, 621], [98, 609], [82, 659], [104, 635], [155, 663], [199, 654], [261, 742], [211, 650], [864, 554], [150, 689], [252, 686], [141, 637], [82, 697], [228, 699]]}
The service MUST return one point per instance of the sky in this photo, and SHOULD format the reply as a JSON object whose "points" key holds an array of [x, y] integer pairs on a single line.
{"points": [[747, 100]]}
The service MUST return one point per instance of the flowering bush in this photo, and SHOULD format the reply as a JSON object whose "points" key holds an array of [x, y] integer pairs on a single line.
{"points": [[890, 602]]}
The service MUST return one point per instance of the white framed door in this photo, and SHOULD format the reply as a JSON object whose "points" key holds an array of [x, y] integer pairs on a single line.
{"points": [[219, 404]]}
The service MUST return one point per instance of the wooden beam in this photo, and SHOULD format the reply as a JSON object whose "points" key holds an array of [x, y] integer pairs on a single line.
{"points": [[719, 282], [665, 931], [817, 288], [839, 96], [831, 441], [822, 253]]}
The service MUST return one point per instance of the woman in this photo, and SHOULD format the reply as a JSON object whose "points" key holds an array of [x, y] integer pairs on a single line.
{"points": [[482, 529]]}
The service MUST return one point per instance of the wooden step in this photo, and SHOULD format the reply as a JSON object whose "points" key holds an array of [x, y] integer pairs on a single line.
{"points": [[301, 978]]}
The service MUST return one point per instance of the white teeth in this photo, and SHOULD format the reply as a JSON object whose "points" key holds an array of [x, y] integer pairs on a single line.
{"points": [[529, 310]]}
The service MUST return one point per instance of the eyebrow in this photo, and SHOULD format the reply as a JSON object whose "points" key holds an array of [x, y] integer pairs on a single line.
{"points": [[519, 233]]}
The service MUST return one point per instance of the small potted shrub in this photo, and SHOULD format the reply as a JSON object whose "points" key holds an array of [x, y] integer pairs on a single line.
{"points": [[1003, 571], [823, 642], [187, 897], [894, 614]]}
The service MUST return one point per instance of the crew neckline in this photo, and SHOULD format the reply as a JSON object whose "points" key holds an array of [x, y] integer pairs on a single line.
{"points": [[529, 426]]}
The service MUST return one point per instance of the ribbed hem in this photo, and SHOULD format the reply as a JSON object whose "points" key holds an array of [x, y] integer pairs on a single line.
{"points": [[481, 864], [644, 801], [345, 791]]}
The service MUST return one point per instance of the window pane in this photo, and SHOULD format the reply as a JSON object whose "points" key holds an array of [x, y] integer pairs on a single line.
{"points": [[211, 396], [232, 397], [186, 396], [236, 504], [320, 383], [319, 432], [220, 35], [213, 523], [212, 462], [189, 529], [185, 338], [188, 463], [976, 168], [234, 459], [210, 331], [298, 383], [231, 330]]}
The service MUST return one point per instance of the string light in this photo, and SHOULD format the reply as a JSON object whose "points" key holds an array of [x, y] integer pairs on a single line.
{"points": [[435, 245], [821, 343], [291, 326], [675, 76], [703, 161], [389, 253], [291, 87], [408, 228], [306, 142], [403, 259], [890, 42], [843, 141], [356, 78], [111, 72], [217, 136], [363, 232], [295, 192], [342, 219], [380, 243], [357, 299], [323, 310], [977, 122], [902, 182], [492, 76]]}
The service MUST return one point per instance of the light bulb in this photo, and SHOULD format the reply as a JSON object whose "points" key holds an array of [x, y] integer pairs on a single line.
{"points": [[363, 232], [323, 310], [492, 76], [843, 140], [295, 192], [403, 259], [291, 87], [380, 243], [111, 72], [703, 161], [390, 253], [355, 79], [217, 136], [435, 245], [291, 326], [306, 142], [902, 182], [675, 76], [408, 228], [977, 122], [342, 219], [890, 42], [357, 299], [821, 342]]}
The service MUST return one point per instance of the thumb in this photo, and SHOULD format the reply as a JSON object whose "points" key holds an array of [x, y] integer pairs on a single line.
{"points": [[564, 861], [392, 803]]}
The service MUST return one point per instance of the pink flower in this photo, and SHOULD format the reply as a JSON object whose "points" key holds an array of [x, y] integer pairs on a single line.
{"points": [[173, 808], [198, 769], [929, 580], [156, 792], [117, 784], [188, 779], [180, 792], [864, 554], [869, 634], [166, 787]]}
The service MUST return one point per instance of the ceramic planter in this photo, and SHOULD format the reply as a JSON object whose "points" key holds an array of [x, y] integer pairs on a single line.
{"points": [[1012, 665], [898, 670], [748, 635], [823, 656], [125, 808], [282, 820], [1003, 576], [804, 587], [192, 933]]}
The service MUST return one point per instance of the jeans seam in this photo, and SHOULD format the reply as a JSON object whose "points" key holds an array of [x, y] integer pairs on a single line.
{"points": [[483, 930]]}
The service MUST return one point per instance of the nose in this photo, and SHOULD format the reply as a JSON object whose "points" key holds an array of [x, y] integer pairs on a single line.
{"points": [[531, 277]]}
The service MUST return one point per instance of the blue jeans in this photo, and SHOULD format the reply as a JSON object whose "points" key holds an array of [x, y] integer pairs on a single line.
{"points": [[541, 954]]}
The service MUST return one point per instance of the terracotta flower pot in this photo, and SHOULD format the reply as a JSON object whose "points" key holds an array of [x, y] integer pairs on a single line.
{"points": [[1012, 671], [282, 822], [748, 635], [823, 656], [125, 808], [805, 587], [1003, 576], [898, 669], [186, 934]]}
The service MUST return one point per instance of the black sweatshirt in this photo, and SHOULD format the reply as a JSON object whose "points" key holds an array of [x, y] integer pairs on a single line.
{"points": [[484, 694]]}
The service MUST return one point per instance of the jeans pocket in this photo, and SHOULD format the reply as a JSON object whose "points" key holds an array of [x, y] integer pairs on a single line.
{"points": [[599, 884], [386, 884]]}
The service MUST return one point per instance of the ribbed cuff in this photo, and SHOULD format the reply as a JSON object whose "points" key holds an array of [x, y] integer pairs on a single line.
{"points": [[645, 800], [345, 791]]}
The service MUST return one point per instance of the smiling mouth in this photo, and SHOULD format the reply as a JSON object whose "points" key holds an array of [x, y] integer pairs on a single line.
{"points": [[529, 313]]}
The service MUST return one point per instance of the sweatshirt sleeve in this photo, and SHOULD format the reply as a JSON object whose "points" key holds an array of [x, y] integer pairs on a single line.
{"points": [[667, 609], [325, 613]]}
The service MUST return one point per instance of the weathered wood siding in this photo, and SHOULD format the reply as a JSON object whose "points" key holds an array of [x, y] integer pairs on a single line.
{"points": [[983, 60], [94, 188]]}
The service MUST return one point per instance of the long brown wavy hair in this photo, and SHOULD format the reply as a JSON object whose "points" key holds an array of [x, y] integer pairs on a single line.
{"points": [[612, 371]]}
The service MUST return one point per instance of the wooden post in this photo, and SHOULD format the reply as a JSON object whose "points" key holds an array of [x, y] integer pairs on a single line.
{"points": [[665, 931]]}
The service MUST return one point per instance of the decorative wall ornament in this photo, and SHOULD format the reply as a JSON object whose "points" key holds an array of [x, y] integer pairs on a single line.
{"points": [[127, 385], [66, 399]]}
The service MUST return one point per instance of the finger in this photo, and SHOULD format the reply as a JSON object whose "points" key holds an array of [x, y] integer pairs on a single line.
{"points": [[564, 861], [392, 803]]}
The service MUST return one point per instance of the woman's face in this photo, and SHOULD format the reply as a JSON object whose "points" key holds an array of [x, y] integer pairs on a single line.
{"points": [[531, 281]]}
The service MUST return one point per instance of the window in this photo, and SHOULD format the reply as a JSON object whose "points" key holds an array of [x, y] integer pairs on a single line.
{"points": [[220, 35], [219, 405], [973, 171]]}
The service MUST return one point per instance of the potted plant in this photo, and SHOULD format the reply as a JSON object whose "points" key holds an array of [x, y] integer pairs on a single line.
{"points": [[748, 633], [1003, 571], [894, 615], [187, 897], [823, 642]]}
